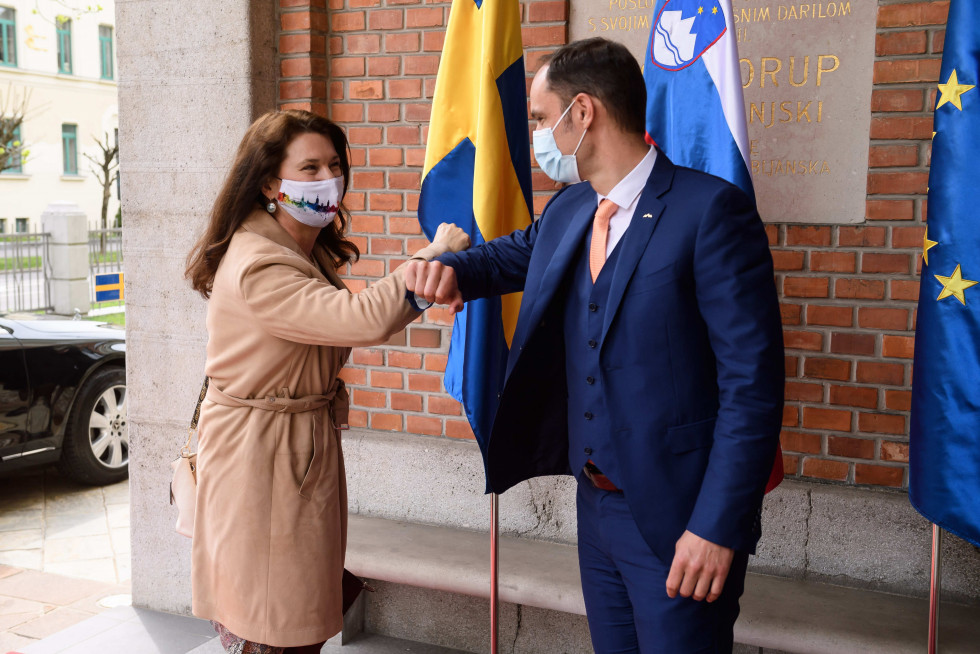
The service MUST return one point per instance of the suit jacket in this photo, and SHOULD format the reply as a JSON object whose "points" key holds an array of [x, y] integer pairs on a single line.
{"points": [[691, 354]]}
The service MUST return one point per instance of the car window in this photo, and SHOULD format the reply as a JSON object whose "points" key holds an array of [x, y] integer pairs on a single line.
{"points": [[14, 396]]}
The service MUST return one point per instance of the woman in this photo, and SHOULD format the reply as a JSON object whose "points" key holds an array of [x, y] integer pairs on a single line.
{"points": [[271, 515]]}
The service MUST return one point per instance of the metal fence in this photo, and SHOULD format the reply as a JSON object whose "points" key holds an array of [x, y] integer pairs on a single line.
{"points": [[105, 255], [25, 268]]}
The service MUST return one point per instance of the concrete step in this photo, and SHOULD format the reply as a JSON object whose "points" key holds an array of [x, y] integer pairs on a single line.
{"points": [[534, 573], [128, 630], [375, 644], [815, 618], [777, 613]]}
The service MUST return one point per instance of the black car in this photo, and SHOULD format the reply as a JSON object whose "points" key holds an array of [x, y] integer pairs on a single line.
{"points": [[63, 397]]}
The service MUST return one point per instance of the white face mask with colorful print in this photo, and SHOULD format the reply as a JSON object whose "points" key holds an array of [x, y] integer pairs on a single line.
{"points": [[312, 203]]}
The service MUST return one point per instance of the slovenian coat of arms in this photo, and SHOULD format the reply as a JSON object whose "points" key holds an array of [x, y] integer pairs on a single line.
{"points": [[684, 30]]}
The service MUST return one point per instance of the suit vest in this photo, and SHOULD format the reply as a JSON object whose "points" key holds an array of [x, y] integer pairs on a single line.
{"points": [[589, 425]]}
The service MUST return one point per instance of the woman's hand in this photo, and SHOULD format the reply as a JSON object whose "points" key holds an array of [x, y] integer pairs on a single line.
{"points": [[452, 237]]}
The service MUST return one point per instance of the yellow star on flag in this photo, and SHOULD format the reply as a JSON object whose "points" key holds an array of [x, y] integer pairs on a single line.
{"points": [[952, 90], [954, 285], [927, 245], [700, 10], [714, 10]]}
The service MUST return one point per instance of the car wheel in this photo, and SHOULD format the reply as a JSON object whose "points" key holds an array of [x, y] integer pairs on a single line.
{"points": [[96, 446]]}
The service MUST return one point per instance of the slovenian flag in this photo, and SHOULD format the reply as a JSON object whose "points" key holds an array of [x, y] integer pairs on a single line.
{"points": [[478, 174], [695, 108], [944, 439]]}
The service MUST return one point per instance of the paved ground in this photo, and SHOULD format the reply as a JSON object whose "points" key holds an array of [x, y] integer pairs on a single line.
{"points": [[64, 548], [35, 605], [64, 579], [52, 524]]}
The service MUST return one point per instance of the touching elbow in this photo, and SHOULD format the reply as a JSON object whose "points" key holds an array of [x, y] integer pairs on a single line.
{"points": [[378, 334]]}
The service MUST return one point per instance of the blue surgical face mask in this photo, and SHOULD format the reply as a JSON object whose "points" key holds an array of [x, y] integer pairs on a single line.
{"points": [[559, 167]]}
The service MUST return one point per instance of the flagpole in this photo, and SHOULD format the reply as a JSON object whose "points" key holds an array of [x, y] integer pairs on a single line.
{"points": [[935, 586], [494, 549]]}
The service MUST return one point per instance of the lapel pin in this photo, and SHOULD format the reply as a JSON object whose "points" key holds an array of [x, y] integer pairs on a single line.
{"points": [[648, 215]]}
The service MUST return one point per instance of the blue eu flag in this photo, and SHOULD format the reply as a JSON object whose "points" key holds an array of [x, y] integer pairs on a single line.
{"points": [[944, 471]]}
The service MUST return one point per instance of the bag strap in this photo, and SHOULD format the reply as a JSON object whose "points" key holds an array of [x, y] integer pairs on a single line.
{"points": [[186, 450]]}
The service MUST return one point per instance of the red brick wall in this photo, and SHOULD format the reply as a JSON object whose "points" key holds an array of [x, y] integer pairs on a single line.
{"points": [[848, 293]]}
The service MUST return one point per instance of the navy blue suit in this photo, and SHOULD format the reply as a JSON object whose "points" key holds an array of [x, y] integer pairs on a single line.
{"points": [[689, 354]]}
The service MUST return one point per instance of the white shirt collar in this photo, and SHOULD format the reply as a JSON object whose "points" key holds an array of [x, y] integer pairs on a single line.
{"points": [[629, 188]]}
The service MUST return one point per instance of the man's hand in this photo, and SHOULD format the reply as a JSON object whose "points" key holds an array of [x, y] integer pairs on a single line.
{"points": [[699, 569], [452, 236], [435, 282]]}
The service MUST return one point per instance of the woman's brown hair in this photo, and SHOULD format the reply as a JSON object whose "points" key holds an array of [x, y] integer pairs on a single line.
{"points": [[259, 156]]}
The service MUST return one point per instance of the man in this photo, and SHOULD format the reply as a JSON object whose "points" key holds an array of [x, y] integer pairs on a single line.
{"points": [[647, 359]]}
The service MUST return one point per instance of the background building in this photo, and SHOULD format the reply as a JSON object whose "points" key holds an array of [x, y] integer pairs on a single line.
{"points": [[69, 69]]}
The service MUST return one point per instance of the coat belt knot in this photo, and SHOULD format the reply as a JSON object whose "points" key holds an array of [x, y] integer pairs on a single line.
{"points": [[337, 398]]}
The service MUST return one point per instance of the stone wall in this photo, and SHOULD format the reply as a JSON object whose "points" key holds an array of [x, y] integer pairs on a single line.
{"points": [[192, 77]]}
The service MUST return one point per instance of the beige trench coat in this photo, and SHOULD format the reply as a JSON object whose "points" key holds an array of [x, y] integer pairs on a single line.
{"points": [[271, 523]]}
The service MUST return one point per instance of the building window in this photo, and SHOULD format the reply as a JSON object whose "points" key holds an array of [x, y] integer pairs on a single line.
{"points": [[105, 47], [21, 225], [3, 225], [64, 44], [69, 148], [8, 37], [16, 163]]}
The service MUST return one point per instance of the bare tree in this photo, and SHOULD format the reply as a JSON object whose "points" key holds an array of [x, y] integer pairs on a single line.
{"points": [[71, 10], [13, 110], [106, 169]]}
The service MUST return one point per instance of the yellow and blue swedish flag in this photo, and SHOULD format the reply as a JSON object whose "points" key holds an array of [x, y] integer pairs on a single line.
{"points": [[944, 458], [109, 287], [478, 174]]}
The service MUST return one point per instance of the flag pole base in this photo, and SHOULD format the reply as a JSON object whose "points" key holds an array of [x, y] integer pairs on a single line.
{"points": [[494, 549], [935, 588]]}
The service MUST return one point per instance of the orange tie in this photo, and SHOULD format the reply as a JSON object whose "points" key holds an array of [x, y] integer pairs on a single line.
{"points": [[600, 235]]}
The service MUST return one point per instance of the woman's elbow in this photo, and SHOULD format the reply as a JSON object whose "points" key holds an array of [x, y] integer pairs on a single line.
{"points": [[378, 332]]}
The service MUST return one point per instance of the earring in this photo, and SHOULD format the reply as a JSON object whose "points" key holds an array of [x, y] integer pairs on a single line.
{"points": [[271, 207]]}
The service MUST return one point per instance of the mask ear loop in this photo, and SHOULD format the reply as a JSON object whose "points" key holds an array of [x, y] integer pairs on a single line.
{"points": [[558, 122], [562, 117], [580, 142]]}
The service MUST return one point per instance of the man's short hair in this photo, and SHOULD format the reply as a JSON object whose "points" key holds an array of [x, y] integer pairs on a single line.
{"points": [[605, 70]]}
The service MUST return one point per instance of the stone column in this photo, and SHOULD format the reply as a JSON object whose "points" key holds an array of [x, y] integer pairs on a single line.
{"points": [[192, 77], [68, 251]]}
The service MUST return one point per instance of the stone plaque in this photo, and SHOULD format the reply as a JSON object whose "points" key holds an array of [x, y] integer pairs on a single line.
{"points": [[626, 21], [807, 72]]}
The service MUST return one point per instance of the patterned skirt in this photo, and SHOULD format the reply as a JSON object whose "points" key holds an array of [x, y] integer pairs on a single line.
{"points": [[235, 645]]}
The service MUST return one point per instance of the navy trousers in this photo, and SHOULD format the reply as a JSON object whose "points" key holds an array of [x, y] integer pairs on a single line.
{"points": [[624, 584]]}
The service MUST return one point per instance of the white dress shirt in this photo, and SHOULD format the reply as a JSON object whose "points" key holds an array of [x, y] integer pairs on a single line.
{"points": [[626, 195]]}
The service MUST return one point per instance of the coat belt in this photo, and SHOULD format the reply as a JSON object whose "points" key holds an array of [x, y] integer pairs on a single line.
{"points": [[336, 398]]}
